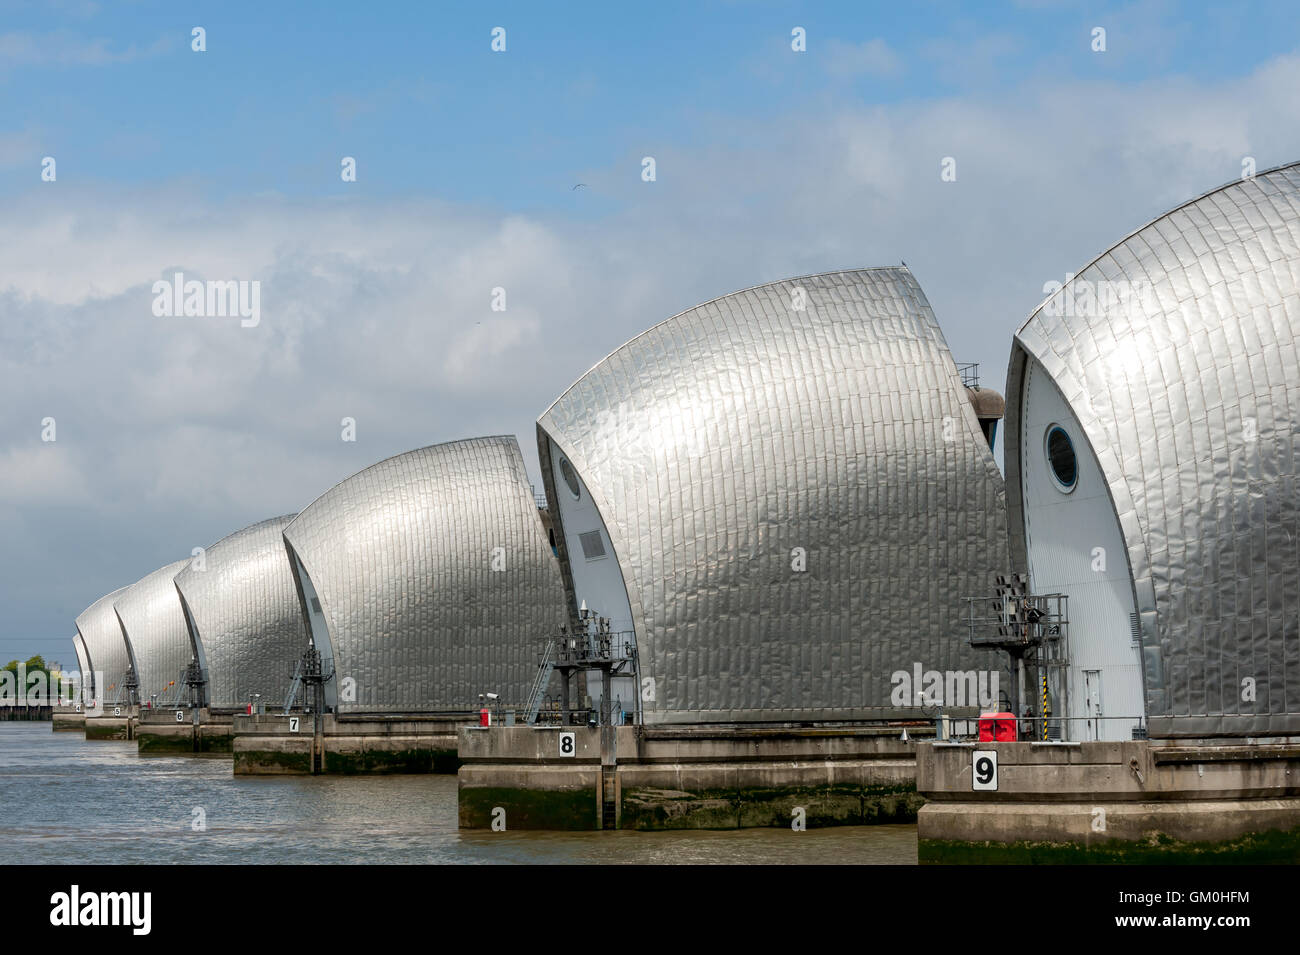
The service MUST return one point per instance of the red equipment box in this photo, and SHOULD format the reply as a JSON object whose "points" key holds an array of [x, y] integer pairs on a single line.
{"points": [[997, 728]]}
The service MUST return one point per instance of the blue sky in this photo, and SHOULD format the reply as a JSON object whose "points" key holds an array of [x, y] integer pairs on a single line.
{"points": [[770, 163], [416, 94]]}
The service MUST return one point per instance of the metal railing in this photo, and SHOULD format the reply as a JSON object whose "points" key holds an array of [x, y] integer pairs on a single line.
{"points": [[580, 648], [585, 648], [551, 713], [1010, 620], [1030, 729]]}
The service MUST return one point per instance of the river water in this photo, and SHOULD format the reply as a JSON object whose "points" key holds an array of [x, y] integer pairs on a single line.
{"points": [[66, 800]]}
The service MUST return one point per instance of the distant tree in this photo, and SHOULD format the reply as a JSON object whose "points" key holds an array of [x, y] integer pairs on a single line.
{"points": [[36, 663]]}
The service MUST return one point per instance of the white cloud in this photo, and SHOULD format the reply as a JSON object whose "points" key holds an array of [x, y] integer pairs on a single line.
{"points": [[41, 472], [871, 58], [175, 431]]}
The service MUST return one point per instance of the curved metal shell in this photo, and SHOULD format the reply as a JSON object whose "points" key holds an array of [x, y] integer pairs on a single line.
{"points": [[86, 677], [433, 578], [1189, 394], [796, 493], [107, 652], [244, 616], [155, 630]]}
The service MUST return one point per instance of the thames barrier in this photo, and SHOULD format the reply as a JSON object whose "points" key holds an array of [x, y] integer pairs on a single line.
{"points": [[776, 577]]}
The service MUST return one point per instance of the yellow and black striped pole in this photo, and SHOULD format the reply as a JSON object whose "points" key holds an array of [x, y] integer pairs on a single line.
{"points": [[1047, 706]]}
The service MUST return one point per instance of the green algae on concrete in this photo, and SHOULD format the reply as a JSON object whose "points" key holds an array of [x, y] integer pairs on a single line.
{"points": [[114, 729], [184, 744], [273, 762], [747, 808], [161, 744], [569, 809], [1267, 848], [216, 744], [382, 761]]}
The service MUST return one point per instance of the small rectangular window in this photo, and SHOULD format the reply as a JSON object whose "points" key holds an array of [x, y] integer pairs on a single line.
{"points": [[315, 604], [593, 548], [1135, 629]]}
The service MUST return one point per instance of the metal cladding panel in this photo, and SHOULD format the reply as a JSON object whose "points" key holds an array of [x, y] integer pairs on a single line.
{"points": [[726, 441], [105, 644], [154, 624], [87, 682], [435, 577], [245, 612], [1189, 392]]}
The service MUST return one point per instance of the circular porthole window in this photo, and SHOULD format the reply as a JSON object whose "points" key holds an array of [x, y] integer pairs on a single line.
{"points": [[1061, 460], [570, 478]]}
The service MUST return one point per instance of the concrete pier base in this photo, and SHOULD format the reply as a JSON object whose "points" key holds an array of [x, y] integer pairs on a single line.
{"points": [[114, 723], [160, 733], [1141, 801], [273, 744], [68, 718], [685, 777]]}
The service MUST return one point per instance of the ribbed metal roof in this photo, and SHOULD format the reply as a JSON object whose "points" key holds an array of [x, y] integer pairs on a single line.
{"points": [[724, 438], [245, 615], [106, 649], [402, 558], [154, 625], [1188, 391]]}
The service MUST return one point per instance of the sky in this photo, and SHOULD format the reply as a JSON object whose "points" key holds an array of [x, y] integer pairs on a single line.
{"points": [[376, 295]]}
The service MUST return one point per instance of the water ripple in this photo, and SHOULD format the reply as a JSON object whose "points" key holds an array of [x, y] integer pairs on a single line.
{"points": [[66, 800]]}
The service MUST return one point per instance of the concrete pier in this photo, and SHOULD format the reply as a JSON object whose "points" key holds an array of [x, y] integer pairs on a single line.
{"points": [[273, 744], [176, 731], [689, 777], [1139, 801], [68, 717], [115, 722]]}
